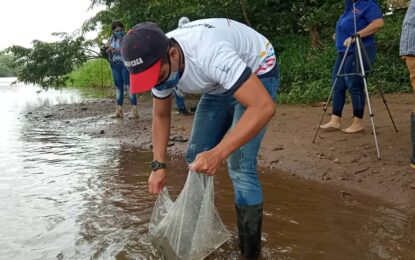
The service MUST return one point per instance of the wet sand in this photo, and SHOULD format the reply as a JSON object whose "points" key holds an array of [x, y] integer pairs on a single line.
{"points": [[345, 162]]}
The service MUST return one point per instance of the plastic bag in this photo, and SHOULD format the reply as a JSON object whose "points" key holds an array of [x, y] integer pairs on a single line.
{"points": [[189, 228]]}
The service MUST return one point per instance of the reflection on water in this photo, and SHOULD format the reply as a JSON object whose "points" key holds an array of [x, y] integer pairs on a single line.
{"points": [[66, 195]]}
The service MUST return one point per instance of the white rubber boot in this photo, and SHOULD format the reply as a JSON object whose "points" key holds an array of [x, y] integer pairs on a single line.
{"points": [[134, 113], [118, 113]]}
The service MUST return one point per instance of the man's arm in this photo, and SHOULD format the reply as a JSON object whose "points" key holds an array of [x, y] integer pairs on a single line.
{"points": [[160, 137], [260, 108]]}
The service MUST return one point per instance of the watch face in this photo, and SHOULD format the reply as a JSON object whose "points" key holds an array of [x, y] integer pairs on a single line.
{"points": [[155, 165]]}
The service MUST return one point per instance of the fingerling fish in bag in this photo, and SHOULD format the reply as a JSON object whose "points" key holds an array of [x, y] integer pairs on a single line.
{"points": [[190, 227]]}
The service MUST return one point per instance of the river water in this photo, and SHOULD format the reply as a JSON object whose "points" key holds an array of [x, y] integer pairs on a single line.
{"points": [[67, 195]]}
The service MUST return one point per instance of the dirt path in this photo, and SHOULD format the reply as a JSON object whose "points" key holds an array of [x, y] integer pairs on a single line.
{"points": [[346, 161]]}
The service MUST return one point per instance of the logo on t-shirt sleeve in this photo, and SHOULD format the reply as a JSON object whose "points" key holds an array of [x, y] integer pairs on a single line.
{"points": [[223, 68], [267, 60]]}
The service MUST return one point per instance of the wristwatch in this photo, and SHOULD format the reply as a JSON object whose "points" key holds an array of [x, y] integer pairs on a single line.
{"points": [[156, 165]]}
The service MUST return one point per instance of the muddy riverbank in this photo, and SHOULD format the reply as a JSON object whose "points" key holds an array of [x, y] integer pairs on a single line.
{"points": [[347, 162]]}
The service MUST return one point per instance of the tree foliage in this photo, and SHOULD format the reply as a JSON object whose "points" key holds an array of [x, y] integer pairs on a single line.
{"points": [[270, 17], [300, 31], [47, 64], [5, 70]]}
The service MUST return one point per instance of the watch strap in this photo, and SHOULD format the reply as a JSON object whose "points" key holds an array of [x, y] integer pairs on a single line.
{"points": [[156, 165]]}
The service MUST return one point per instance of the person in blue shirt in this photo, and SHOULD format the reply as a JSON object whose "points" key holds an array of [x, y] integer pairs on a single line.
{"points": [[369, 20], [120, 73]]}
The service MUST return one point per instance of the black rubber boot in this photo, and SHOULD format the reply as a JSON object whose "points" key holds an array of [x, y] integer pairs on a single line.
{"points": [[249, 220], [413, 140]]}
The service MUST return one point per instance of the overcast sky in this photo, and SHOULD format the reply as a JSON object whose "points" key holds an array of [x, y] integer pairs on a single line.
{"points": [[22, 21]]}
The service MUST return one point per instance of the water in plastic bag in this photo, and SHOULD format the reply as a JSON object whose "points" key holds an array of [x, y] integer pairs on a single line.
{"points": [[190, 227]]}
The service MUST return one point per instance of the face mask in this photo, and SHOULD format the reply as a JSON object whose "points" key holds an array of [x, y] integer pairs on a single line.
{"points": [[171, 81], [119, 34]]}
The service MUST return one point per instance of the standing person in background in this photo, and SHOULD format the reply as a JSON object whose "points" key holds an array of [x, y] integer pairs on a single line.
{"points": [[235, 69], [178, 95], [369, 20], [407, 52], [120, 73]]}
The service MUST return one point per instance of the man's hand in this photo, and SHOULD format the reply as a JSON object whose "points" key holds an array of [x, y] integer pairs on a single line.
{"points": [[206, 162], [156, 181]]}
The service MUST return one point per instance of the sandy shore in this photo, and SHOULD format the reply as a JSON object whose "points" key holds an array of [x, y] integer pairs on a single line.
{"points": [[346, 161]]}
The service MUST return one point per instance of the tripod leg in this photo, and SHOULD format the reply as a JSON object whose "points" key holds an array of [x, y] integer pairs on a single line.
{"points": [[389, 112], [366, 57], [371, 119], [325, 110], [359, 45]]}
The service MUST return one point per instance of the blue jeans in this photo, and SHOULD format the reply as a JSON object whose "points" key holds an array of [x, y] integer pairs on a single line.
{"points": [[353, 83], [121, 79], [215, 115], [179, 101]]}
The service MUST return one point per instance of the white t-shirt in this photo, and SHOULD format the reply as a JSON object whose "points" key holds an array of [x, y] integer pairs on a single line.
{"points": [[217, 52]]}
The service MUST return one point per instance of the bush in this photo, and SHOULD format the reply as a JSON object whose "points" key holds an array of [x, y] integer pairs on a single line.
{"points": [[390, 72], [93, 76], [306, 72]]}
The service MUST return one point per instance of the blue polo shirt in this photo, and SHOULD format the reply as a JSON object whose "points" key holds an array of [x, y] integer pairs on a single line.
{"points": [[366, 11]]}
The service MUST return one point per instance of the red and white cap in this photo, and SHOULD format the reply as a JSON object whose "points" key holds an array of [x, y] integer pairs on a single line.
{"points": [[142, 49]]}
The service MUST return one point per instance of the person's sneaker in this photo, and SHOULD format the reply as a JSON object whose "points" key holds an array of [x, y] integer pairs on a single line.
{"points": [[184, 112]]}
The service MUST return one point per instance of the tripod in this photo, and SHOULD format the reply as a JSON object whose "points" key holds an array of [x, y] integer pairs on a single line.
{"points": [[361, 52]]}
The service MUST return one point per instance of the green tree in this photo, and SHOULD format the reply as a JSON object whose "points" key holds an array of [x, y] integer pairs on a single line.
{"points": [[48, 64], [270, 17]]}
